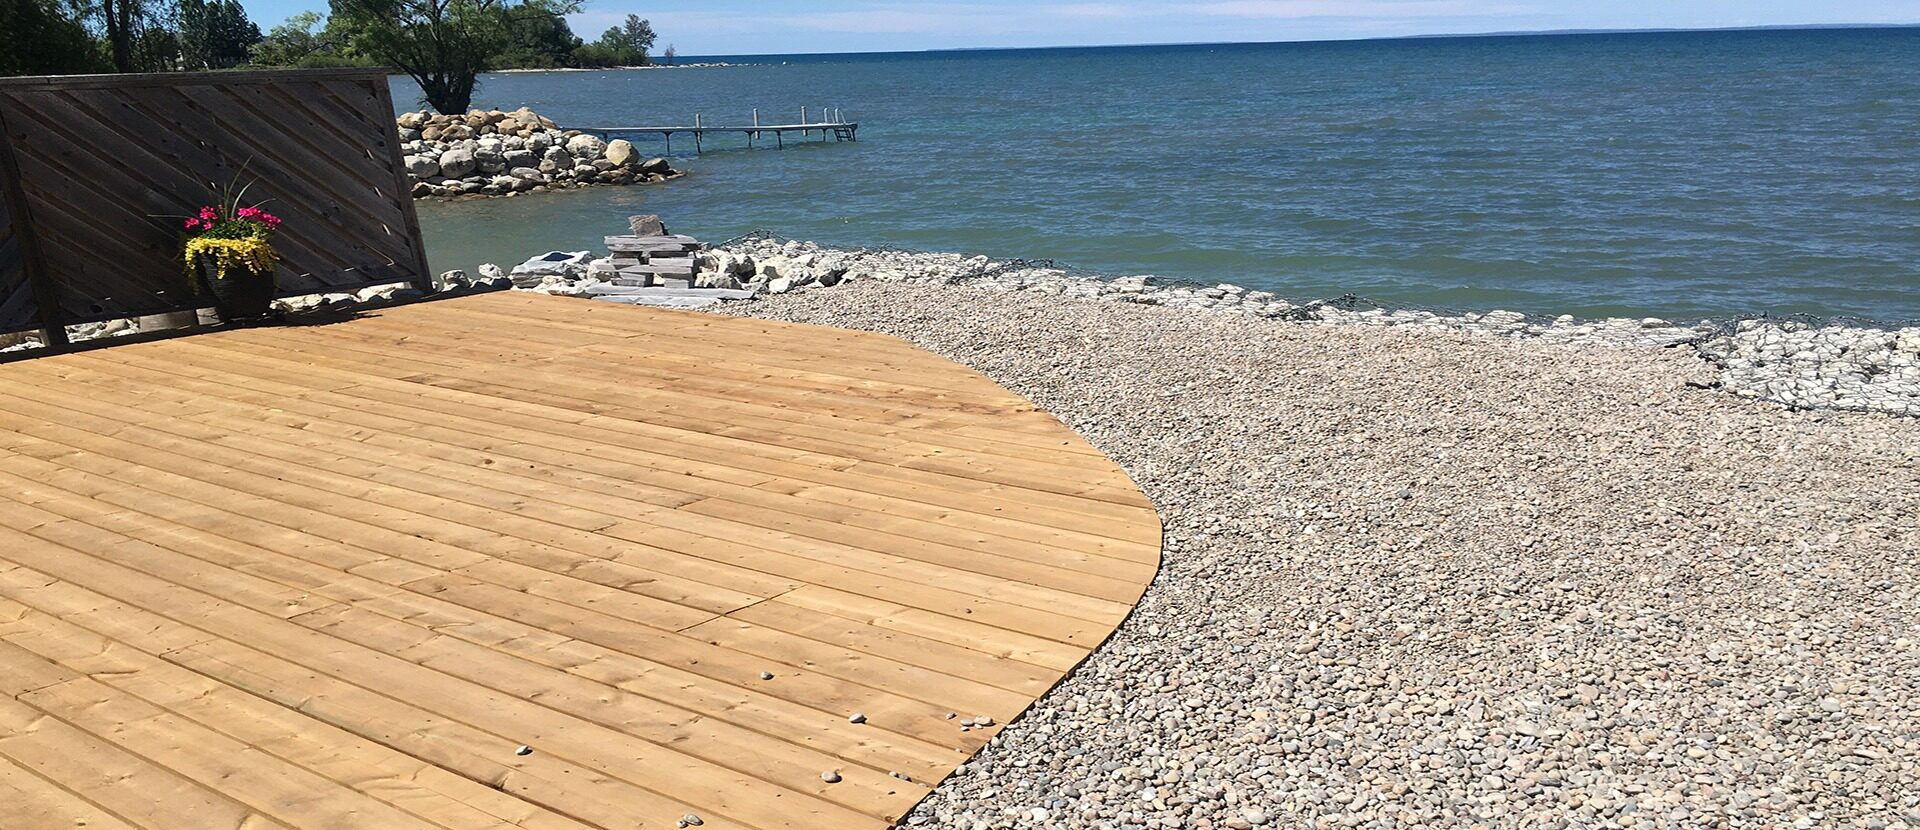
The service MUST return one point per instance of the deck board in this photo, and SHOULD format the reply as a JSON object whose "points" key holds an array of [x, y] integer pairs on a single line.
{"points": [[331, 576]]}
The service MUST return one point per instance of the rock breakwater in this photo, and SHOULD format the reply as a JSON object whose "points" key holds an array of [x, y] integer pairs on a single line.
{"points": [[500, 153]]}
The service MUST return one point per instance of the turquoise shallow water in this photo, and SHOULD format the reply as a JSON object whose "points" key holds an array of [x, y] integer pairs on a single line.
{"points": [[1680, 175]]}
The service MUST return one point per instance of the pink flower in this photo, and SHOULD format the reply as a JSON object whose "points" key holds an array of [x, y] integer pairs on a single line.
{"points": [[270, 220], [193, 224], [209, 214]]}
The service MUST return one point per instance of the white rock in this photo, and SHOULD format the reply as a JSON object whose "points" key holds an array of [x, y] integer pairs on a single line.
{"points": [[585, 146]]}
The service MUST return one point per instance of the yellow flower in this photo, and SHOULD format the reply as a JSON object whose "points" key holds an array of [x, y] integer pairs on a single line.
{"points": [[252, 254]]}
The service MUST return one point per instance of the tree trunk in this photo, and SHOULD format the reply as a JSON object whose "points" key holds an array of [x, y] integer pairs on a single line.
{"points": [[118, 19], [449, 92]]}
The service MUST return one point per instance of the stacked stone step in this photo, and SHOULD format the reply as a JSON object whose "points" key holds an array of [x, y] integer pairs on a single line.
{"points": [[651, 257]]}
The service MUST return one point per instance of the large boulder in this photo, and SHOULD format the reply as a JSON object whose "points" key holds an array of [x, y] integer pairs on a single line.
{"points": [[490, 160], [715, 279], [656, 166], [520, 158], [411, 120], [646, 224], [492, 277], [553, 264], [620, 151], [458, 163], [585, 146], [422, 167], [524, 119]]}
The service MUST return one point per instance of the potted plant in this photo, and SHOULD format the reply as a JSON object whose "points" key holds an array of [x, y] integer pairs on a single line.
{"points": [[229, 255]]}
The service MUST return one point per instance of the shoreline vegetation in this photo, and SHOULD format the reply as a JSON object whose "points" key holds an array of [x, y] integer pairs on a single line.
{"points": [[443, 47]]}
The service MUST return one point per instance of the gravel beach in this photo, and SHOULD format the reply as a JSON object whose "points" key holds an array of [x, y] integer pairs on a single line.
{"points": [[1420, 578]]}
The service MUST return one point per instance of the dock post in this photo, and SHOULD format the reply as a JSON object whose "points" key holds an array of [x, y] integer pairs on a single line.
{"points": [[756, 116], [803, 116]]}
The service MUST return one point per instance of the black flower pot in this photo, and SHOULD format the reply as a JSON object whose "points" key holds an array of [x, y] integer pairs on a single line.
{"points": [[244, 296]]}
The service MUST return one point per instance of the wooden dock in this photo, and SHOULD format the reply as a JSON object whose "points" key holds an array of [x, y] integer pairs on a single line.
{"points": [[834, 127], [514, 561]]}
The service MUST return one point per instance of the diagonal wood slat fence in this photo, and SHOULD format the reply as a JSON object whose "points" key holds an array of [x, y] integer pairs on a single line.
{"points": [[95, 169]]}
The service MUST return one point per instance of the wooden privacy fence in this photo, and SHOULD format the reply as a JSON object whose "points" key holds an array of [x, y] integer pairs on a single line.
{"points": [[95, 168]]}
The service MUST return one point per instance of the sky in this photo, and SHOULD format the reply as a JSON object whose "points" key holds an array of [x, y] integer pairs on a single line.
{"points": [[738, 27]]}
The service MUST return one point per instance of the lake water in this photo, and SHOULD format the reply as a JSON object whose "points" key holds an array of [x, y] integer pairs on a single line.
{"points": [[1680, 175]]}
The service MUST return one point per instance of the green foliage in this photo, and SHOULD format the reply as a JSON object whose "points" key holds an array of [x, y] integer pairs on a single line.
{"points": [[46, 37], [442, 44], [215, 34], [139, 35], [303, 42], [627, 44], [538, 42], [72, 36]]}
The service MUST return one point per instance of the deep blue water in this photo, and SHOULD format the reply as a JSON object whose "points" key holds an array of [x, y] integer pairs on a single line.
{"points": [[1678, 174]]}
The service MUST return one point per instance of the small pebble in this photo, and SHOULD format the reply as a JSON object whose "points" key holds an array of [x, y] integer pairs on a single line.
{"points": [[523, 750], [1547, 584], [766, 675], [830, 777], [857, 718]]}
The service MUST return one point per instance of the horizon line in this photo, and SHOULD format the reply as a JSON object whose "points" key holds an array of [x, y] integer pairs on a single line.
{"points": [[1431, 36]]}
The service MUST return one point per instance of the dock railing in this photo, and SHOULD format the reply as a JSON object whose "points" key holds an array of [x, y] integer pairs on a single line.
{"points": [[833, 125]]}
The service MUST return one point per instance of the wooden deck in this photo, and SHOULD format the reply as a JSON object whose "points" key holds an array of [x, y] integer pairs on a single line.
{"points": [[336, 576]]}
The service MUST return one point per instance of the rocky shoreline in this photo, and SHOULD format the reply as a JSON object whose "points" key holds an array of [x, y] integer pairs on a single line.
{"points": [[1800, 365], [497, 153]]}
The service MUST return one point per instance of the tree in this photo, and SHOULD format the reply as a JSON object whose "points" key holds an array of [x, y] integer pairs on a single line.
{"points": [[629, 42], [139, 34], [624, 45], [538, 42], [303, 41], [215, 34], [46, 37], [290, 42], [442, 44], [670, 55]]}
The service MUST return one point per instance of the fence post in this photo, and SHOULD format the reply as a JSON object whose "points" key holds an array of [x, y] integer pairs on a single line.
{"points": [[46, 296]]}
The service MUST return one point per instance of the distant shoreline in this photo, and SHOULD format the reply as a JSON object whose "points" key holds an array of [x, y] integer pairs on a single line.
{"points": [[558, 69]]}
